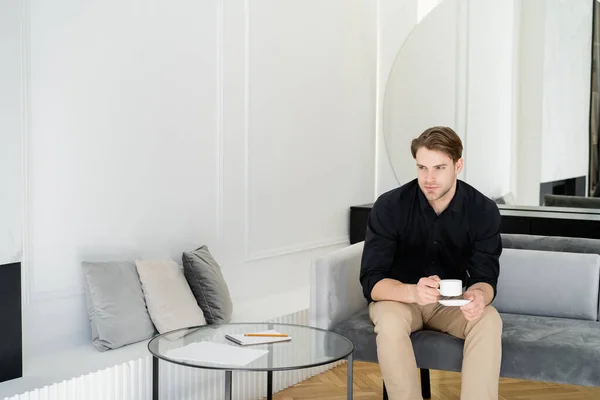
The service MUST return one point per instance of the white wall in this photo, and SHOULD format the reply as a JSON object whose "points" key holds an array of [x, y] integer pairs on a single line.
{"points": [[11, 155], [160, 127]]}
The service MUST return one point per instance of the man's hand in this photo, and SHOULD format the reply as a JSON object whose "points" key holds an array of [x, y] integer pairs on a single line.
{"points": [[474, 309], [426, 290]]}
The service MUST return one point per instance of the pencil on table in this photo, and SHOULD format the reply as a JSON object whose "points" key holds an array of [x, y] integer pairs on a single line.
{"points": [[267, 334]]}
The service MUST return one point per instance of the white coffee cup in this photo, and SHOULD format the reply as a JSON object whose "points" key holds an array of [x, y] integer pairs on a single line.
{"points": [[451, 287]]}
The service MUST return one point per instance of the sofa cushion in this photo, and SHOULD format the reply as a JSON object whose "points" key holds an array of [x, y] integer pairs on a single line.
{"points": [[205, 278], [115, 304], [533, 348], [359, 329], [548, 283], [557, 200], [551, 349], [551, 243]]}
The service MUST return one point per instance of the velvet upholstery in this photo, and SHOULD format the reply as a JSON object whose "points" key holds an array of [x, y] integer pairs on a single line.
{"points": [[548, 283], [556, 200], [335, 290], [551, 243], [534, 348], [562, 349], [205, 278]]}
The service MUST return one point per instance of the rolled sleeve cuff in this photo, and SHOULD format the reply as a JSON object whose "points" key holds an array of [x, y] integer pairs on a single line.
{"points": [[369, 283]]}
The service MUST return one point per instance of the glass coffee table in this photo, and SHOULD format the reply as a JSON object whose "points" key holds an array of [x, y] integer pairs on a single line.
{"points": [[202, 347]]}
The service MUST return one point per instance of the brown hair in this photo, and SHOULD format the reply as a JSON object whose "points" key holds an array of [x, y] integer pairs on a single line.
{"points": [[440, 138]]}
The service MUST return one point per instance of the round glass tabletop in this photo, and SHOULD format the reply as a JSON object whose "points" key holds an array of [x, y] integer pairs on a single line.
{"points": [[202, 347]]}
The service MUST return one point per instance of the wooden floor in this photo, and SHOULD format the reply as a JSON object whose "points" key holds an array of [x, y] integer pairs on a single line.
{"points": [[444, 386]]}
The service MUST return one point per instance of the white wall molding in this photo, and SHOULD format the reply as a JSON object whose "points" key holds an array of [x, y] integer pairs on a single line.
{"points": [[264, 252], [514, 164], [26, 265], [247, 128], [462, 75], [297, 248], [220, 168], [379, 94]]}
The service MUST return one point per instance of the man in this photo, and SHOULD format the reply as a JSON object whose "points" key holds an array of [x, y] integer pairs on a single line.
{"points": [[434, 227]]}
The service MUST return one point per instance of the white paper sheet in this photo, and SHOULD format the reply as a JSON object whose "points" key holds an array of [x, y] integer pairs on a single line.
{"points": [[215, 353]]}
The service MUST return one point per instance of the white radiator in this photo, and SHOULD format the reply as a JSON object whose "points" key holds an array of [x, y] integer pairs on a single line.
{"points": [[133, 380]]}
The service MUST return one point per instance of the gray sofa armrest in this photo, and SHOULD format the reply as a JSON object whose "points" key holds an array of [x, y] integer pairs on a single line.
{"points": [[335, 290]]}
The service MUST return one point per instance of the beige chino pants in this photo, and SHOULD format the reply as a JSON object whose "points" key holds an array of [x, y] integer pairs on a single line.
{"points": [[394, 322]]}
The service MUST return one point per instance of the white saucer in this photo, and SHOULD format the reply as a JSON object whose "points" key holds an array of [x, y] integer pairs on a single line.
{"points": [[454, 302]]}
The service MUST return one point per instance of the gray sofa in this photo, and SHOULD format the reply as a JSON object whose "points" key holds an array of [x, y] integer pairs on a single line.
{"points": [[547, 299], [556, 200]]}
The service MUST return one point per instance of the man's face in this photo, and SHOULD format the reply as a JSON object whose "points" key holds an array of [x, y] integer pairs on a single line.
{"points": [[436, 173]]}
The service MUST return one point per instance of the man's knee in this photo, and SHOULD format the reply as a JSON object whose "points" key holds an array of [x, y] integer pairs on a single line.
{"points": [[490, 322], [390, 317]]}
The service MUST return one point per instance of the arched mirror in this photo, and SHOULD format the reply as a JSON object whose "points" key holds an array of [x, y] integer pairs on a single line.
{"points": [[421, 88], [517, 81]]}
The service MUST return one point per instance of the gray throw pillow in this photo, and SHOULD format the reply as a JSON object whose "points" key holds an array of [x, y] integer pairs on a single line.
{"points": [[115, 304], [208, 285]]}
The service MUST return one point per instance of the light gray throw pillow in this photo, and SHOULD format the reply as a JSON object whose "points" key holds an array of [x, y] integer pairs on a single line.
{"points": [[115, 304], [206, 280], [548, 284]]}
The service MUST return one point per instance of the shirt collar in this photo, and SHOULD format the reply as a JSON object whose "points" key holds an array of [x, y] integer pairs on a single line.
{"points": [[455, 204]]}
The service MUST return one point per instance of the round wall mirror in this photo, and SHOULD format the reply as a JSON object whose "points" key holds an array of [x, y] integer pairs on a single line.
{"points": [[421, 88], [517, 82]]}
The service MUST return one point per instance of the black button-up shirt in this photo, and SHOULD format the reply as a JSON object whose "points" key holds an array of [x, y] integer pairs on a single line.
{"points": [[406, 240]]}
